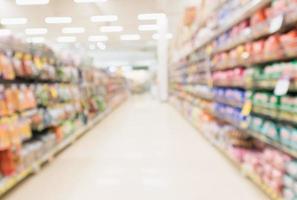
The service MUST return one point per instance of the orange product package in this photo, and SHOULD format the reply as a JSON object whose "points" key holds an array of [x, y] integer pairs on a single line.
{"points": [[24, 128], [23, 105], [4, 136], [273, 46], [3, 105], [15, 96], [59, 133], [15, 138], [30, 97], [11, 107], [190, 15], [289, 40], [259, 17], [17, 64], [27, 65], [6, 67]]}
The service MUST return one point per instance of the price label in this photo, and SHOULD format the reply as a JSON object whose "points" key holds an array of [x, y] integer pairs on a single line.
{"points": [[276, 24], [282, 87], [247, 108]]}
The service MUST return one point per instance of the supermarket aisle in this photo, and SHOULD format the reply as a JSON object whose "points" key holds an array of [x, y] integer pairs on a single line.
{"points": [[143, 151]]}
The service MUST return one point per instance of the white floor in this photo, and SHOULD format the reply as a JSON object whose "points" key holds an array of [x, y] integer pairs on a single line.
{"points": [[143, 151]]}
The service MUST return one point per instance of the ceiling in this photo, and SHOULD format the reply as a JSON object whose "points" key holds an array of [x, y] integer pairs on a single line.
{"points": [[126, 10]]}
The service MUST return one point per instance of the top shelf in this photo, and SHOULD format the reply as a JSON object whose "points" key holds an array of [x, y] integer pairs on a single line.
{"points": [[234, 19]]}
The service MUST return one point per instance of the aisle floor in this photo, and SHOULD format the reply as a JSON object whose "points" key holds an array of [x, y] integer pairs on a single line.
{"points": [[143, 151]]}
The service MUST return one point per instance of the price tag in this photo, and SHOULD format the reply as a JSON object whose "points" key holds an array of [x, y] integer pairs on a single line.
{"points": [[276, 24], [247, 108], [282, 87]]}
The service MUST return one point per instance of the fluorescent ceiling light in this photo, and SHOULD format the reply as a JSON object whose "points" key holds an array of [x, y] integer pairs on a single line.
{"points": [[58, 20], [5, 32], [130, 37], [36, 31], [92, 47], [97, 38], [150, 16], [66, 39], [107, 29], [36, 40], [31, 2], [104, 18], [89, 1], [156, 36], [101, 45], [14, 21], [148, 27], [73, 30]]}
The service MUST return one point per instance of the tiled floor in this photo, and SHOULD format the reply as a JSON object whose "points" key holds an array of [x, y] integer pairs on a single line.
{"points": [[143, 151]]}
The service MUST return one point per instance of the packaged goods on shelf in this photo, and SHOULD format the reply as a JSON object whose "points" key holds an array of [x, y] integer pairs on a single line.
{"points": [[46, 100], [238, 62]]}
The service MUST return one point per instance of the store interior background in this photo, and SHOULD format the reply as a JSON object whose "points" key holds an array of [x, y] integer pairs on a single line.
{"points": [[188, 85], [126, 57]]}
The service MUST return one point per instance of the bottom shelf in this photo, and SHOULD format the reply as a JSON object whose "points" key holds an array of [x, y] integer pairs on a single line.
{"points": [[9, 182], [242, 169]]}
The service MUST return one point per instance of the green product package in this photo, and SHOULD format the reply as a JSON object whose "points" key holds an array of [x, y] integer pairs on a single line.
{"points": [[285, 135], [271, 130], [288, 104], [256, 123], [294, 138], [274, 102], [261, 99]]}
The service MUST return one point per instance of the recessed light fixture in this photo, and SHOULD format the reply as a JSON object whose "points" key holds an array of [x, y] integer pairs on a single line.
{"points": [[148, 27], [130, 37], [107, 29], [89, 1], [104, 18], [36, 31], [156, 36], [150, 16], [58, 20], [14, 21], [73, 30], [35, 40], [66, 39], [101, 45], [31, 2], [98, 38], [92, 47], [5, 31]]}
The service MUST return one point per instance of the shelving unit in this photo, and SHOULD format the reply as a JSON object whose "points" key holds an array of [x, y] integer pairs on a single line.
{"points": [[10, 182], [47, 101], [242, 169], [229, 65]]}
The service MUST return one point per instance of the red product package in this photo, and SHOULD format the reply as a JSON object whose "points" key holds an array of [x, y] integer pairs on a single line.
{"points": [[273, 43], [289, 42], [273, 48], [258, 50], [7, 162], [259, 17]]}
